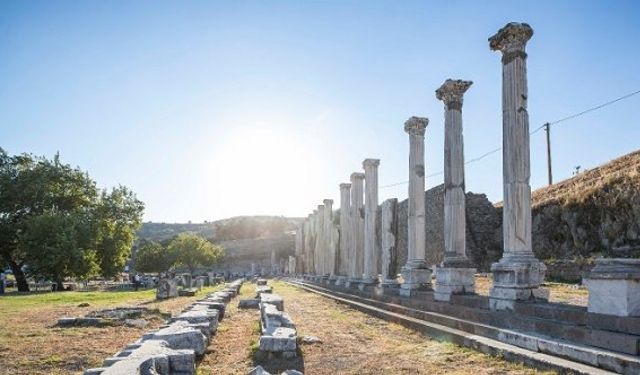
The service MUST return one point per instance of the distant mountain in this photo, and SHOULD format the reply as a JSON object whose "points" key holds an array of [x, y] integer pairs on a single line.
{"points": [[235, 228]]}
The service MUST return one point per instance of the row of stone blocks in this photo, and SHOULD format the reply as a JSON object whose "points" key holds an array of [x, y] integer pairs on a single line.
{"points": [[172, 349], [278, 333]]}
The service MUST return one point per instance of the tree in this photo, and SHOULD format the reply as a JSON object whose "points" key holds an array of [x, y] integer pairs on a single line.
{"points": [[191, 251], [58, 245], [153, 257], [117, 216], [49, 210], [32, 186]]}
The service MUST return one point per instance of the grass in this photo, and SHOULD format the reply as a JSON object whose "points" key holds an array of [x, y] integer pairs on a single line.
{"points": [[31, 343], [352, 343]]}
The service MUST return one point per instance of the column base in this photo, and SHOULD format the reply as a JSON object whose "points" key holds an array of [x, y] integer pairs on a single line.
{"points": [[415, 279], [390, 284], [340, 280], [451, 281], [352, 282], [517, 279], [614, 287]]}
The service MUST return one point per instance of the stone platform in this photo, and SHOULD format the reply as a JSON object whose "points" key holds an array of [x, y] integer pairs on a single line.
{"points": [[546, 335]]}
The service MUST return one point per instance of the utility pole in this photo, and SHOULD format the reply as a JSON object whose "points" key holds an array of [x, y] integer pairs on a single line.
{"points": [[547, 129]]}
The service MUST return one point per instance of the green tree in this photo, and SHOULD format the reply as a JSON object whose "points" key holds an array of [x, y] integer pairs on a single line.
{"points": [[117, 216], [31, 186], [153, 257], [58, 245], [191, 251]]}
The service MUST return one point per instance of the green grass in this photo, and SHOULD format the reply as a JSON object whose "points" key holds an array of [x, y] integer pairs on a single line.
{"points": [[14, 301]]}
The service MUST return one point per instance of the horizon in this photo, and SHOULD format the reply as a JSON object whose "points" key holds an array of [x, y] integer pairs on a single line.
{"points": [[207, 118]]}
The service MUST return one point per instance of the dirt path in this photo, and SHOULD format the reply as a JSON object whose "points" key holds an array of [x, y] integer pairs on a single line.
{"points": [[352, 343]]}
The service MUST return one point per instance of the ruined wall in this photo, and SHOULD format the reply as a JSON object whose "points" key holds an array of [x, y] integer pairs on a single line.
{"points": [[482, 223]]}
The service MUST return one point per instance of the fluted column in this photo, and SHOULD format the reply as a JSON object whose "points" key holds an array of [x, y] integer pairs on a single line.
{"points": [[309, 243], [518, 275], [357, 228], [330, 239], [457, 273], [299, 247], [389, 235], [370, 274], [345, 232], [415, 273], [320, 247]]}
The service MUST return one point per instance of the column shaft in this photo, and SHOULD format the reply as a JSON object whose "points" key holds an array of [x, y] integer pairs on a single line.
{"points": [[370, 274], [415, 273], [518, 275], [357, 227], [345, 229]]}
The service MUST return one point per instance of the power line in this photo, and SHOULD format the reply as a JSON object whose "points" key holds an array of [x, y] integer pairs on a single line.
{"points": [[595, 108]]}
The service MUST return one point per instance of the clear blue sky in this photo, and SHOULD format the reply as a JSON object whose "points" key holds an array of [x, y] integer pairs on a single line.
{"points": [[214, 109]]}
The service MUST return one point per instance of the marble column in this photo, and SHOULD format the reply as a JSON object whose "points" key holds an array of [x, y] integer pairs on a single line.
{"points": [[416, 273], [274, 265], [389, 253], [370, 274], [330, 239], [320, 248], [357, 229], [253, 269], [299, 246], [308, 245], [345, 228], [519, 274], [456, 275]]}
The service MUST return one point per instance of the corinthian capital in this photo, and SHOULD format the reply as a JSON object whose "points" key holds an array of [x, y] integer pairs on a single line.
{"points": [[511, 40], [416, 125], [451, 93]]}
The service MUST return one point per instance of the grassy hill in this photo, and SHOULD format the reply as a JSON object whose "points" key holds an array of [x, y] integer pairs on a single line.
{"points": [[235, 228]]}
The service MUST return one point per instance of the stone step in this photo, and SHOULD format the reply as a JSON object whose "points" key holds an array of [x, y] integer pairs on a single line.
{"points": [[610, 333], [534, 345]]}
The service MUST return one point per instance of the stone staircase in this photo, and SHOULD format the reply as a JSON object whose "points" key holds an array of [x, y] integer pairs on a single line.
{"points": [[545, 335]]}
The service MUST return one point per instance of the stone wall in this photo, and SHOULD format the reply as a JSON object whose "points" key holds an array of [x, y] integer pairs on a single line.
{"points": [[482, 224]]}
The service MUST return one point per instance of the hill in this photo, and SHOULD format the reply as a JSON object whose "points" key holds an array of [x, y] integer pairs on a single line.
{"points": [[235, 228]]}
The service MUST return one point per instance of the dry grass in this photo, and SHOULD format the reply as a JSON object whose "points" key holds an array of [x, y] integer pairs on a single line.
{"points": [[30, 342], [558, 292], [353, 343]]}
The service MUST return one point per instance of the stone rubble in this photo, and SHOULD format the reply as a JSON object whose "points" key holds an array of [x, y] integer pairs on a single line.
{"points": [[173, 348]]}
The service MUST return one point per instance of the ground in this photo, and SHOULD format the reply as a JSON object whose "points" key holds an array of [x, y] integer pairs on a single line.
{"points": [[558, 292], [30, 342], [352, 343]]}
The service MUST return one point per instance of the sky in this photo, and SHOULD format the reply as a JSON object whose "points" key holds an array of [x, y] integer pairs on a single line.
{"points": [[215, 109]]}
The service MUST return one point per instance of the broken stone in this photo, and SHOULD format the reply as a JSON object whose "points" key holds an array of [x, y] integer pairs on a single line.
{"points": [[310, 340], [180, 335], [273, 299], [280, 339]]}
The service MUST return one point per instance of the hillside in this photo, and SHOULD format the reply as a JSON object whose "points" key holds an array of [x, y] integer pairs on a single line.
{"points": [[235, 228], [596, 213]]}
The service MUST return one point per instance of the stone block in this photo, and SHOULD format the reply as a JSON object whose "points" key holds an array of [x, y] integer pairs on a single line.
{"points": [[250, 303], [199, 316], [151, 358], [167, 288], [617, 297], [261, 282], [263, 289], [416, 278], [213, 305], [279, 339], [274, 299], [180, 335]]}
